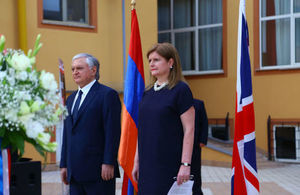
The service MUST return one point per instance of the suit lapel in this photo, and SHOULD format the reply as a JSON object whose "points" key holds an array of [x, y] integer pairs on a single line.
{"points": [[89, 97], [69, 106]]}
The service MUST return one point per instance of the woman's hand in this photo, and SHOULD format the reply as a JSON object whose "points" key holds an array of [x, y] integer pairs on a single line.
{"points": [[135, 172], [183, 174]]}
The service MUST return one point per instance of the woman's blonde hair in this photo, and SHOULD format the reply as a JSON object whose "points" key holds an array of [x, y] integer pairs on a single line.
{"points": [[167, 51]]}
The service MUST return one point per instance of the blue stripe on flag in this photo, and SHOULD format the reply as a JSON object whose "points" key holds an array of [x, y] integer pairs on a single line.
{"points": [[130, 190], [250, 153], [134, 89], [1, 169], [232, 184], [245, 64]]}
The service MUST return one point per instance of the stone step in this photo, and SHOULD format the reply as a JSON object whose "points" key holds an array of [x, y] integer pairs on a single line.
{"points": [[220, 146]]}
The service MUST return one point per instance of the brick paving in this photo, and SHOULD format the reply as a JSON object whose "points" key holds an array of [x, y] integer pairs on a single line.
{"points": [[275, 178]]}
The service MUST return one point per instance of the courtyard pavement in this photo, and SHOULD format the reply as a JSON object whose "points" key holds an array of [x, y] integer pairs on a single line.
{"points": [[275, 178]]}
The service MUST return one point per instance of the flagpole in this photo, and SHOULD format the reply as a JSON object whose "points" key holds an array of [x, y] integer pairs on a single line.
{"points": [[132, 4]]}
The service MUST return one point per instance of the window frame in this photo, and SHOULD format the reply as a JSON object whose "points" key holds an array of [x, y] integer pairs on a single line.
{"points": [[211, 126], [221, 122], [275, 122], [195, 29], [297, 151], [67, 25], [258, 19]]}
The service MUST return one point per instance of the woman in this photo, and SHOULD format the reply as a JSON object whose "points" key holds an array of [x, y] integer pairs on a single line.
{"points": [[165, 126]]}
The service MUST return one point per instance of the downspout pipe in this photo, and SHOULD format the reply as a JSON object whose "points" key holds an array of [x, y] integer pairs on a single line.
{"points": [[22, 25]]}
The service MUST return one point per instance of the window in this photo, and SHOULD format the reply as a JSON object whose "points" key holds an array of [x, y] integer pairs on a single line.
{"points": [[221, 129], [195, 27], [279, 34], [68, 14], [220, 132], [66, 10], [284, 139], [286, 143]]}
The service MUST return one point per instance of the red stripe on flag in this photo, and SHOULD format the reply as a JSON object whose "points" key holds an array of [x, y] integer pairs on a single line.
{"points": [[238, 126], [244, 122], [125, 184], [239, 180], [128, 144], [249, 121], [251, 178], [135, 47]]}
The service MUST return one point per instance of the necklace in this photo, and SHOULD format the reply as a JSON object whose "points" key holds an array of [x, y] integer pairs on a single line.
{"points": [[159, 87]]}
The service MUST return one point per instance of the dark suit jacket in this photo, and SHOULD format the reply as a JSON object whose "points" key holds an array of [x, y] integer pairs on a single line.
{"points": [[200, 136], [93, 139], [201, 122]]}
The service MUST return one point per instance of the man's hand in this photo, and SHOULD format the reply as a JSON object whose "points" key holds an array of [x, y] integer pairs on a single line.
{"points": [[63, 174], [107, 172]]}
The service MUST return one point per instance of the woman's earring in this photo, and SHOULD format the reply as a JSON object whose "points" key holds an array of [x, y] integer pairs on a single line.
{"points": [[171, 67]]}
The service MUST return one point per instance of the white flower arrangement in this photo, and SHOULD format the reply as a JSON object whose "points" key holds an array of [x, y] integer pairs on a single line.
{"points": [[29, 101]]}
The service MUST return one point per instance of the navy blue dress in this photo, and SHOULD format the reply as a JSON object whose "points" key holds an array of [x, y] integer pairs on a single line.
{"points": [[160, 137]]}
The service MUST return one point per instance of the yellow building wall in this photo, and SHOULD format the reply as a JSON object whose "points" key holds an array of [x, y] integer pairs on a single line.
{"points": [[147, 18], [106, 44], [274, 94], [9, 23], [218, 93], [212, 155]]}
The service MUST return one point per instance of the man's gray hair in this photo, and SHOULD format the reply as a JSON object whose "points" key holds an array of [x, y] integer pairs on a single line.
{"points": [[90, 60]]}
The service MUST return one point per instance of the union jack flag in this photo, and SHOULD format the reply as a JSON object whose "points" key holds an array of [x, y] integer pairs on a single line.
{"points": [[244, 178]]}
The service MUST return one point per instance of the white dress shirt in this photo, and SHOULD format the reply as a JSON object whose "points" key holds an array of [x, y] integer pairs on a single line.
{"points": [[85, 91]]}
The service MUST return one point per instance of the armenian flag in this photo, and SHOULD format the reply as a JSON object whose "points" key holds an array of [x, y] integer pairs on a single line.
{"points": [[133, 91]]}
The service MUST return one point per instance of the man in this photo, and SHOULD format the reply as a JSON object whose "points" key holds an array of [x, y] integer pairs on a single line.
{"points": [[91, 132], [200, 140]]}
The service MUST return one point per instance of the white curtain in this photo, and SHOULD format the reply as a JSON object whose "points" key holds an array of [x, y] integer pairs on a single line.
{"points": [[297, 6], [297, 31], [210, 39], [183, 13], [283, 42], [297, 37], [184, 16], [164, 14], [184, 43], [281, 7], [283, 33]]}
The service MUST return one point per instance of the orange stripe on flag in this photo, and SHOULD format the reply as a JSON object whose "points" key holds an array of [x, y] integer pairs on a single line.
{"points": [[128, 144]]}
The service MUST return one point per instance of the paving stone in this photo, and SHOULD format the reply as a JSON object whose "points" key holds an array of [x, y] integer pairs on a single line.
{"points": [[275, 178]]}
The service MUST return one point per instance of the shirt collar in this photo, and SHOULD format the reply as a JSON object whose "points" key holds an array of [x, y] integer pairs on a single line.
{"points": [[87, 88]]}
